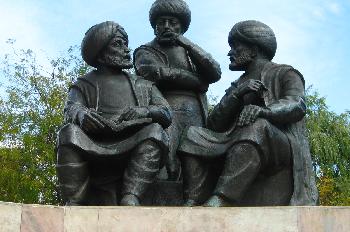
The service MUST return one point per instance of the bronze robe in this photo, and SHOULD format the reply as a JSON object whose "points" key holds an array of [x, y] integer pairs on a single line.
{"points": [[145, 93], [183, 78], [286, 110]]}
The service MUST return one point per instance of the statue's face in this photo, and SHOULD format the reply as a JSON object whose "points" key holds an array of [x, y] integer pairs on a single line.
{"points": [[167, 28], [117, 53], [241, 55]]}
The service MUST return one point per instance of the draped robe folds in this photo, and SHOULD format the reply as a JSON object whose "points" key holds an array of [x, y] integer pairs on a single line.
{"points": [[149, 58], [183, 76], [205, 143], [123, 137]]}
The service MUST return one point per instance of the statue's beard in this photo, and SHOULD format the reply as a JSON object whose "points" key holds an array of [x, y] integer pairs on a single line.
{"points": [[241, 62], [117, 61], [166, 40]]}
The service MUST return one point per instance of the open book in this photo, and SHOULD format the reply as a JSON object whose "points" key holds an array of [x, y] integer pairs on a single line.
{"points": [[116, 127]]}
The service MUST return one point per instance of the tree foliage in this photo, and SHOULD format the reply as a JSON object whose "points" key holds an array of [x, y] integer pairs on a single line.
{"points": [[329, 137], [32, 112], [30, 116]]}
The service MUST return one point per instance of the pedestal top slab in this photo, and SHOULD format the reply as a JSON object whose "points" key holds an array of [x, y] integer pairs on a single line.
{"points": [[42, 218]]}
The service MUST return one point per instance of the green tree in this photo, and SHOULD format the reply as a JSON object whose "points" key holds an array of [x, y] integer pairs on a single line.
{"points": [[30, 116], [329, 137]]}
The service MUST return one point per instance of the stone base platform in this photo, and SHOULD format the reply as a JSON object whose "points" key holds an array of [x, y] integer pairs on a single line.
{"points": [[40, 218]]}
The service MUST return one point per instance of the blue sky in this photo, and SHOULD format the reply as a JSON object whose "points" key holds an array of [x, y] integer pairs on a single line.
{"points": [[312, 35]]}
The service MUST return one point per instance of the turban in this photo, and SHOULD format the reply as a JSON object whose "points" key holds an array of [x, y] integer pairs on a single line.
{"points": [[256, 33], [175, 8], [97, 38]]}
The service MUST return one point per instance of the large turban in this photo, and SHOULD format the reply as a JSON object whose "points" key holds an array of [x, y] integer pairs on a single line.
{"points": [[176, 8], [97, 38], [256, 33]]}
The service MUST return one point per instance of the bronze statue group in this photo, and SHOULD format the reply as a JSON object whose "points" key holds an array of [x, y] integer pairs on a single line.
{"points": [[129, 138]]}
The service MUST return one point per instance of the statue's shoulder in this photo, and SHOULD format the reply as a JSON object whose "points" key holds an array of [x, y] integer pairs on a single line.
{"points": [[275, 70], [89, 79], [232, 87], [146, 83], [280, 68], [151, 52], [151, 46], [136, 79]]}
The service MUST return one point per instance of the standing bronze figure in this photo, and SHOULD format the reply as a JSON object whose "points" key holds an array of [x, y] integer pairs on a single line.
{"points": [[257, 131], [110, 149], [182, 71]]}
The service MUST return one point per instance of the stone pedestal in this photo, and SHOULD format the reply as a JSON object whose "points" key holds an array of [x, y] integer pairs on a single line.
{"points": [[40, 218]]}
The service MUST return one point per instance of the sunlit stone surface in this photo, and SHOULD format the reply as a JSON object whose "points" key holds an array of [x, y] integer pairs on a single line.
{"points": [[40, 218]]}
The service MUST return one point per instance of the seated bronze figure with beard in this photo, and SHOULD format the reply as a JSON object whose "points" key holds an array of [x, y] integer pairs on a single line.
{"points": [[256, 133], [110, 149]]}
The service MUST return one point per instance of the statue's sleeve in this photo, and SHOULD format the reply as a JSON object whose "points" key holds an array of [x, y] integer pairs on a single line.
{"points": [[226, 111], [75, 103], [147, 64], [208, 68], [291, 106], [150, 65], [159, 108]]}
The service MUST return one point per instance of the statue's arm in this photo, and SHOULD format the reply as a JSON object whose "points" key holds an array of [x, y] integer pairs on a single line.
{"points": [[208, 68], [76, 111], [75, 104], [153, 69], [291, 106], [159, 109], [226, 111]]}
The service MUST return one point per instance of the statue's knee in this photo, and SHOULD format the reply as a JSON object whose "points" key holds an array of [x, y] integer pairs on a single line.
{"points": [[150, 145], [149, 149], [243, 153], [261, 124]]}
